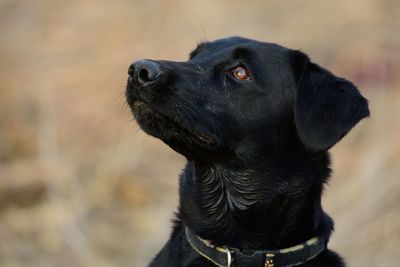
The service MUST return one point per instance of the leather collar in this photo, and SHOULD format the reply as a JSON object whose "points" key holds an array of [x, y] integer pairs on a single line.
{"points": [[225, 256]]}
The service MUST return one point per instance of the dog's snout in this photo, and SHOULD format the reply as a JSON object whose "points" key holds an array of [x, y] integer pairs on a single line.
{"points": [[145, 71]]}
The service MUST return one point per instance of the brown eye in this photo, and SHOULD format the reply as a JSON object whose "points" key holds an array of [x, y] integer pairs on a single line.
{"points": [[240, 72]]}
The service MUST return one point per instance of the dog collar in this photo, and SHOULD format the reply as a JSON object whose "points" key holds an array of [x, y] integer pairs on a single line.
{"points": [[225, 256]]}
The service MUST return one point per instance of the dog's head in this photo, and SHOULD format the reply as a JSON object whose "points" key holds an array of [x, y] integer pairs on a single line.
{"points": [[237, 97]]}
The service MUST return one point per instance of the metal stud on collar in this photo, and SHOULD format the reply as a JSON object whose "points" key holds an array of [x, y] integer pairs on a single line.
{"points": [[269, 261], [228, 258]]}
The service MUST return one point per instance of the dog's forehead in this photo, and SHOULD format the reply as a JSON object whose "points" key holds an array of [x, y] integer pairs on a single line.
{"points": [[231, 43], [227, 42]]}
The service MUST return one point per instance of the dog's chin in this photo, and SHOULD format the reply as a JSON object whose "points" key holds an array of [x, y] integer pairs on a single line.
{"points": [[173, 132]]}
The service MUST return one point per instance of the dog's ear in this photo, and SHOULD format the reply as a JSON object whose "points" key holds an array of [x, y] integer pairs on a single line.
{"points": [[326, 107]]}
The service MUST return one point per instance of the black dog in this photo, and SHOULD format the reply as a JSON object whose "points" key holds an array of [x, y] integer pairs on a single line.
{"points": [[255, 121]]}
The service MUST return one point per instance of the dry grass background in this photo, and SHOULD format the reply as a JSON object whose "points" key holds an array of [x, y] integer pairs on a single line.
{"points": [[81, 185]]}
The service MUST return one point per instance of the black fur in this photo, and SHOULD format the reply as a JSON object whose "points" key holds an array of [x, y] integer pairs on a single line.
{"points": [[256, 148]]}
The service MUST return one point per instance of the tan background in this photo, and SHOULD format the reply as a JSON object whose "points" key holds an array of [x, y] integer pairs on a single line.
{"points": [[82, 185]]}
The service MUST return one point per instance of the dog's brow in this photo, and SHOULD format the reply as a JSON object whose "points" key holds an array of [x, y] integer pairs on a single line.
{"points": [[242, 52]]}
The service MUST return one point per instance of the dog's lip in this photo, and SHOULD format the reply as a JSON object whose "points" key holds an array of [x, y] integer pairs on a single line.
{"points": [[203, 138]]}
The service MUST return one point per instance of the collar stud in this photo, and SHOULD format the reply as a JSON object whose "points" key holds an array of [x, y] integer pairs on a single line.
{"points": [[269, 260]]}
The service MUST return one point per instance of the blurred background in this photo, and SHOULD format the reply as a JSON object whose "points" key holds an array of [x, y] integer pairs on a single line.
{"points": [[82, 185]]}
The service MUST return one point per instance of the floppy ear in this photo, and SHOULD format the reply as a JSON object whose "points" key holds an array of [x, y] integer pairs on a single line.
{"points": [[326, 107]]}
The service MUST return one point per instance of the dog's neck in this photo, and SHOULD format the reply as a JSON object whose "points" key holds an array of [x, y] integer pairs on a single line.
{"points": [[251, 208]]}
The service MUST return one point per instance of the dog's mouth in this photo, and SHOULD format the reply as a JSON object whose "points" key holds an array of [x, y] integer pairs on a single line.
{"points": [[153, 122]]}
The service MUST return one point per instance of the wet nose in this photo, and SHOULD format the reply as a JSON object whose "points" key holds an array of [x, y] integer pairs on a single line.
{"points": [[146, 71]]}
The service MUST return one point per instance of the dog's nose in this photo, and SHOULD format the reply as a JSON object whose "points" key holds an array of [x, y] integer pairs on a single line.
{"points": [[146, 71]]}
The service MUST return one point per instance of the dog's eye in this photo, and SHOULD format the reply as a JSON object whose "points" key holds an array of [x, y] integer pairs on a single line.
{"points": [[240, 73]]}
